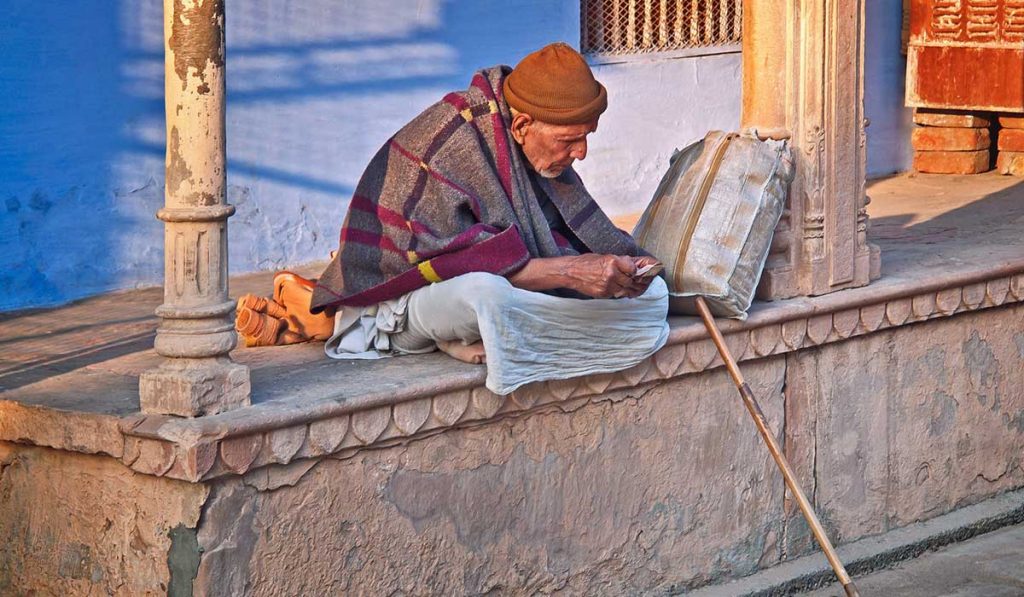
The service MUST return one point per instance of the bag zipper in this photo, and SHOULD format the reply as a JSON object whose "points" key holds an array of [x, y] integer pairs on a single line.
{"points": [[702, 196]]}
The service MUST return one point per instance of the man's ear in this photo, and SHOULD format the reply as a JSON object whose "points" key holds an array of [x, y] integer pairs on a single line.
{"points": [[520, 123]]}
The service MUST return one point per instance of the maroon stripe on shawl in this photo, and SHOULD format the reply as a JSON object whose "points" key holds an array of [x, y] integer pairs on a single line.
{"points": [[463, 240], [389, 216], [457, 101], [503, 155], [503, 254], [583, 215], [442, 136], [415, 194], [473, 199], [371, 239]]}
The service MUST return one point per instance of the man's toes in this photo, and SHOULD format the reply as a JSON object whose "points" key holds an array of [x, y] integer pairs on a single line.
{"points": [[473, 354]]}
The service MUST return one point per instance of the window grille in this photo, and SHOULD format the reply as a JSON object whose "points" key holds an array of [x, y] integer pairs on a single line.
{"points": [[637, 26]]}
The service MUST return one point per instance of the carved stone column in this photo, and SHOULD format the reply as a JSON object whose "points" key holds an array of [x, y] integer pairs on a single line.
{"points": [[195, 333], [803, 76]]}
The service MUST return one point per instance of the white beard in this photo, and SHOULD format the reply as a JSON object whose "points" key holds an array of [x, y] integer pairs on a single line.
{"points": [[550, 173]]}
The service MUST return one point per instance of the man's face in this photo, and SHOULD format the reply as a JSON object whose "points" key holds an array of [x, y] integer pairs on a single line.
{"points": [[551, 148]]}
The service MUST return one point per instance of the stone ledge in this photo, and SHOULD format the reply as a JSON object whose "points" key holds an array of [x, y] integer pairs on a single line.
{"points": [[328, 417], [281, 431]]}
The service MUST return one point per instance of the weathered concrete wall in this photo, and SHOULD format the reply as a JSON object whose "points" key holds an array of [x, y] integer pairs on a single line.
{"points": [[648, 491], [908, 423], [72, 524]]}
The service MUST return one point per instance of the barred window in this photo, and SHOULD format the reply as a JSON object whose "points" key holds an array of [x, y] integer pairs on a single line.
{"points": [[637, 26]]}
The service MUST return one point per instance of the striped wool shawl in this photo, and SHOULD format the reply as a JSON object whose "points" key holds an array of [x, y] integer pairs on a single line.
{"points": [[450, 194]]}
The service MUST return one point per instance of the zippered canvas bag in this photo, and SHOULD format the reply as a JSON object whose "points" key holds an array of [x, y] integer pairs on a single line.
{"points": [[712, 218]]}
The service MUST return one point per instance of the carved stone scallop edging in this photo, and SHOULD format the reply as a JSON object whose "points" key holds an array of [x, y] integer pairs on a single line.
{"points": [[897, 312], [486, 403], [819, 327], [410, 416], [280, 445], [449, 407], [155, 457], [368, 425], [669, 361], [700, 354], [996, 291], [922, 306], [765, 339], [1017, 287], [523, 398], [634, 375], [562, 389], [947, 301], [844, 323], [974, 295], [193, 462], [738, 344], [238, 453], [872, 317], [325, 436], [598, 384], [794, 333]]}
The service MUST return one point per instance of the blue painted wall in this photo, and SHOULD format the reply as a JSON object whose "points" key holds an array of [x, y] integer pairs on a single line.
{"points": [[314, 88], [885, 69]]}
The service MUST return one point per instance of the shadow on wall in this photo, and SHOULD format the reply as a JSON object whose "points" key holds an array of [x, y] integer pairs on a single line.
{"points": [[314, 88]]}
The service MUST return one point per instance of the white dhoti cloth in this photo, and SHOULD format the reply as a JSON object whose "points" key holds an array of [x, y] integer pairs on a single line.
{"points": [[527, 336]]}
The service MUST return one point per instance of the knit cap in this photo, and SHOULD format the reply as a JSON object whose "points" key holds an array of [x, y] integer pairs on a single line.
{"points": [[555, 85]]}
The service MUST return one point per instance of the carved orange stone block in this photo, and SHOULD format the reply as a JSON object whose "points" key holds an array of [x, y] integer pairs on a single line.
{"points": [[950, 118], [1011, 140], [1010, 162], [933, 138], [1011, 121], [951, 162]]}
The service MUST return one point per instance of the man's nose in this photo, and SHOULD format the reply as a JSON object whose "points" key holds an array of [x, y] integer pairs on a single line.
{"points": [[579, 150]]}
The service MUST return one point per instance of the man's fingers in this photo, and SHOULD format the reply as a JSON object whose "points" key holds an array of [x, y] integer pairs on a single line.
{"points": [[621, 280], [624, 264]]}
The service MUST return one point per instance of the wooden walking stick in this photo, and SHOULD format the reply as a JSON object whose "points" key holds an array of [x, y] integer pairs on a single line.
{"points": [[773, 447]]}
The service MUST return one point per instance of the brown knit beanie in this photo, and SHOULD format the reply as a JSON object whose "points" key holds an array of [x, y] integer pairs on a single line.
{"points": [[555, 85]]}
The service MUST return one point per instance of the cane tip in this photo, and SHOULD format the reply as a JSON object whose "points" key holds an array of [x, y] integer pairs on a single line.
{"points": [[851, 590]]}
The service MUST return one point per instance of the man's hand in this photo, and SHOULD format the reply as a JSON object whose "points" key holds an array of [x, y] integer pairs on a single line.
{"points": [[595, 275], [604, 276], [640, 262]]}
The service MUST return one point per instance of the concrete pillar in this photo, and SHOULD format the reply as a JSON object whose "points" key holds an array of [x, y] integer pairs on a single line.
{"points": [[803, 77], [196, 333]]}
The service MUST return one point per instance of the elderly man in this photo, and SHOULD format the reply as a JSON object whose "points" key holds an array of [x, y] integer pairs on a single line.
{"points": [[471, 232]]}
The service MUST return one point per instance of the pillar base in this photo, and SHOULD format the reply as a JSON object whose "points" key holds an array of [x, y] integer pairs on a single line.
{"points": [[194, 387]]}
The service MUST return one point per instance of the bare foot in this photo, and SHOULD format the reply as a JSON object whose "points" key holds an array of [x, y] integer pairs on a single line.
{"points": [[473, 353]]}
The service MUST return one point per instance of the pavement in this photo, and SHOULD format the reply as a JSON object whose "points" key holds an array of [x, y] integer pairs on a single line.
{"points": [[989, 565]]}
